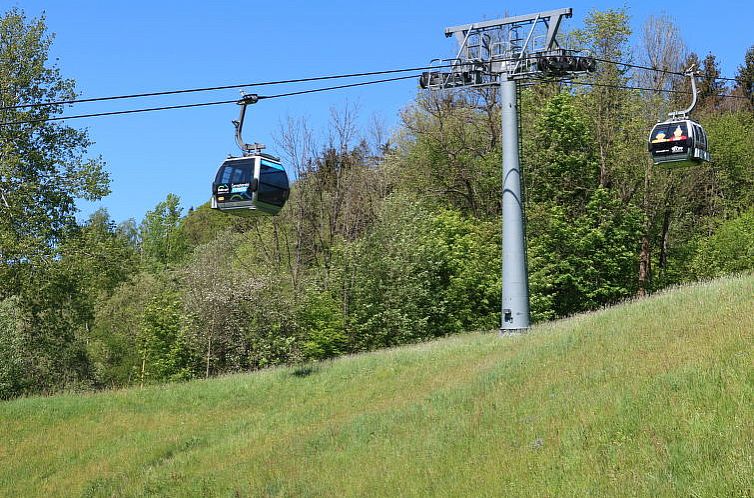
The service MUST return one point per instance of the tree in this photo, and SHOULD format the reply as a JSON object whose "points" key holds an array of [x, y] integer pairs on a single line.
{"points": [[418, 274], [220, 300], [114, 340], [14, 362], [321, 321], [97, 257], [203, 224], [729, 250], [731, 139], [745, 77], [334, 197], [561, 164], [161, 244], [450, 151], [580, 263], [606, 35], [43, 164], [662, 48], [44, 168], [710, 85], [161, 340]]}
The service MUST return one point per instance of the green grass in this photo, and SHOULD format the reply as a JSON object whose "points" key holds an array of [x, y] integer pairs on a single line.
{"points": [[650, 398]]}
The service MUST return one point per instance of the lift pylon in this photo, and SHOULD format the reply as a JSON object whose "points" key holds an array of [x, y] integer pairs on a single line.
{"points": [[504, 52]]}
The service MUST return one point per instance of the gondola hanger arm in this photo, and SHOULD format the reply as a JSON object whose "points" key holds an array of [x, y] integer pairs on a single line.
{"points": [[247, 149], [691, 73]]}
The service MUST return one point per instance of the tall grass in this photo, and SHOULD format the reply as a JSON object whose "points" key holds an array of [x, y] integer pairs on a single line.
{"points": [[650, 398]]}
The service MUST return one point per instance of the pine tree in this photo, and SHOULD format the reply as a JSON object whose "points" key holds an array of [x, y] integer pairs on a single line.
{"points": [[745, 76]]}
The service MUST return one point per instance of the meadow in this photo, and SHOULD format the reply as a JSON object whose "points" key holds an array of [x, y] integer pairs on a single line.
{"points": [[653, 397]]}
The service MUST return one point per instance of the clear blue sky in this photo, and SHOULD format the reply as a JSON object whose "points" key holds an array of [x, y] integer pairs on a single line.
{"points": [[113, 48]]}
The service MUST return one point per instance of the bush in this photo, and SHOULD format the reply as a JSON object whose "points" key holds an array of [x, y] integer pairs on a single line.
{"points": [[729, 250], [12, 352], [320, 320]]}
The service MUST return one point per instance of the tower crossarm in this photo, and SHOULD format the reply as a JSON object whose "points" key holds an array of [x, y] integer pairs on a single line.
{"points": [[551, 19]]}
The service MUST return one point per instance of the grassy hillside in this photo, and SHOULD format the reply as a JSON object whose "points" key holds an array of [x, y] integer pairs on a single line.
{"points": [[652, 398]]}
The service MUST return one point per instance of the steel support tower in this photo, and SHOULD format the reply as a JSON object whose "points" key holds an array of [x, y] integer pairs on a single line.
{"points": [[506, 52]]}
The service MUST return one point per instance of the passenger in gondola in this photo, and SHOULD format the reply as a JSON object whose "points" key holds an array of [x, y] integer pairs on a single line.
{"points": [[660, 137], [678, 134]]}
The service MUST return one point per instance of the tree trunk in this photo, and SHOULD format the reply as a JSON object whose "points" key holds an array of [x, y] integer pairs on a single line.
{"points": [[209, 354], [645, 255], [666, 219], [645, 266], [665, 236]]}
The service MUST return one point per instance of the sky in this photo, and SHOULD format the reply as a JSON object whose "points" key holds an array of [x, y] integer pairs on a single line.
{"points": [[116, 48]]}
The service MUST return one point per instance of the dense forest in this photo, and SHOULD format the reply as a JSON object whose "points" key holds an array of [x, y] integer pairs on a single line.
{"points": [[385, 240]]}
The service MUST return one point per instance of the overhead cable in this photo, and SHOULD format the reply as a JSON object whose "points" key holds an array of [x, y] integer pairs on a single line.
{"points": [[301, 92], [224, 87], [659, 90], [296, 80], [649, 68], [205, 104]]}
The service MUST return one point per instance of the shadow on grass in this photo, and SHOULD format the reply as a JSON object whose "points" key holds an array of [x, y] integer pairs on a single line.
{"points": [[305, 370]]}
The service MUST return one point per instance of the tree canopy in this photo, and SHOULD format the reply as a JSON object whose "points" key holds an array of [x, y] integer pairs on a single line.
{"points": [[382, 242]]}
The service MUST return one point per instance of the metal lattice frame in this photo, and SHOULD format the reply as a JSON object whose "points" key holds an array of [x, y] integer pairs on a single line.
{"points": [[519, 48]]}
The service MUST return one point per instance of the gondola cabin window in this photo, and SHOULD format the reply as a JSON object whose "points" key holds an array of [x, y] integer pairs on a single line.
{"points": [[273, 184], [701, 137], [235, 173], [669, 132]]}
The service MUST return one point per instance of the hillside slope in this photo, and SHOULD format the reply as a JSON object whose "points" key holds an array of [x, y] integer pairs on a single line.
{"points": [[652, 398]]}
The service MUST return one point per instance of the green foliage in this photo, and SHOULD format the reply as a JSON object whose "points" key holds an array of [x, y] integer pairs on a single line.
{"points": [[13, 349], [272, 336], [160, 340], [745, 77], [581, 263], [44, 168], [96, 258], [710, 85], [418, 275], [204, 224], [60, 299], [321, 321], [731, 136], [140, 334], [729, 250], [607, 108], [391, 276], [473, 251], [559, 159], [57, 311], [161, 243], [114, 339], [43, 165], [606, 33], [449, 153], [229, 298]]}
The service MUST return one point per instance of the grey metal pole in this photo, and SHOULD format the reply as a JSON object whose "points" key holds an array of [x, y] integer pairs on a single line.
{"points": [[515, 305]]}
